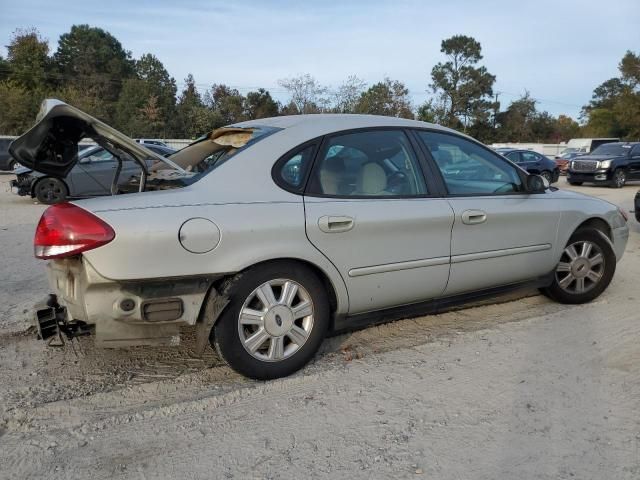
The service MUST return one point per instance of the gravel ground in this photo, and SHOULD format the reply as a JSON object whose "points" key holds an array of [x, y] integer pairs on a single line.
{"points": [[523, 388]]}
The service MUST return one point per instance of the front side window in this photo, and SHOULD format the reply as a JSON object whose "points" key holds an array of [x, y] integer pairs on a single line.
{"points": [[377, 163], [469, 169]]}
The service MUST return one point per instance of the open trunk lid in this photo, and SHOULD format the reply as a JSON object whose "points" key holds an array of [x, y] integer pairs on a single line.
{"points": [[51, 145]]}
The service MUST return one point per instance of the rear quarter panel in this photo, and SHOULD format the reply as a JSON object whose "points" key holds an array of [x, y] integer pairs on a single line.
{"points": [[147, 244]]}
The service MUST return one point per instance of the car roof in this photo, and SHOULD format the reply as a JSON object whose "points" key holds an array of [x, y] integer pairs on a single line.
{"points": [[314, 125]]}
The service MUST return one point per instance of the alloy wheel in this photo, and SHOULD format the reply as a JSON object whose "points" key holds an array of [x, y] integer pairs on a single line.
{"points": [[581, 267], [619, 178], [276, 320]]}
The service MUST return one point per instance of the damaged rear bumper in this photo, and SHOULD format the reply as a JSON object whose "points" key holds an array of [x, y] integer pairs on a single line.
{"points": [[123, 314]]}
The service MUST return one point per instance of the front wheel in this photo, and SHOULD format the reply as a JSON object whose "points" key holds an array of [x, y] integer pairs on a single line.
{"points": [[586, 268], [570, 182], [619, 178], [277, 317], [50, 190]]}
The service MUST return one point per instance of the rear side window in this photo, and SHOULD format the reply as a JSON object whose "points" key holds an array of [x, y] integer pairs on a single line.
{"points": [[469, 169], [291, 172]]}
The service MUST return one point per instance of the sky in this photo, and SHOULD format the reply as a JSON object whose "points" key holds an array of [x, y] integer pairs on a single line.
{"points": [[558, 51]]}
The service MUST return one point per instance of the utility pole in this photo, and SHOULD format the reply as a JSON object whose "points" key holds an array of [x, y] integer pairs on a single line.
{"points": [[495, 109]]}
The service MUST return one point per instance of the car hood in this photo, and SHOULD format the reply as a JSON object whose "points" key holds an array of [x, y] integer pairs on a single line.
{"points": [[51, 145], [597, 157]]}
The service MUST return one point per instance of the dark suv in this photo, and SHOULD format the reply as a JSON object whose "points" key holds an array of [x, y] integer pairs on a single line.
{"points": [[532, 162], [6, 161], [612, 164]]}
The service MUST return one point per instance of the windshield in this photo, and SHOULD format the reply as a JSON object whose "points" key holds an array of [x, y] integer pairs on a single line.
{"points": [[612, 149]]}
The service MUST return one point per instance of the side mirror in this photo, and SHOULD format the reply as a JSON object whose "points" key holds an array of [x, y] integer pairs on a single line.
{"points": [[536, 184], [85, 160]]}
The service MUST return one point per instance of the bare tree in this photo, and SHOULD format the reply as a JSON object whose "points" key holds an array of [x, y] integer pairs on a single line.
{"points": [[307, 95], [346, 97]]}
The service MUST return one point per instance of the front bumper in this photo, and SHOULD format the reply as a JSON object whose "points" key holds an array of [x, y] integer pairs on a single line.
{"points": [[599, 176], [144, 312]]}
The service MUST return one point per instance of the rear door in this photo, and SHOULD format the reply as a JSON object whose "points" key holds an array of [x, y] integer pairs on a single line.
{"points": [[370, 210], [501, 234]]}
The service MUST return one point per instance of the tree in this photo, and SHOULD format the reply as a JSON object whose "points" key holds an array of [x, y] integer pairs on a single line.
{"points": [[150, 90], [345, 99], [465, 88], [389, 98], [260, 104], [228, 104], [516, 122], [28, 59], [193, 117], [307, 95], [93, 61], [17, 105], [614, 109]]}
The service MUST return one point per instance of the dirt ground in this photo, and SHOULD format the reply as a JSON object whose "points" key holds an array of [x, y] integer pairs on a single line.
{"points": [[522, 388]]}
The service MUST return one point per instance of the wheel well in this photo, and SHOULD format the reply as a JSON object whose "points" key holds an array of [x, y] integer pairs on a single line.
{"points": [[333, 299], [597, 224]]}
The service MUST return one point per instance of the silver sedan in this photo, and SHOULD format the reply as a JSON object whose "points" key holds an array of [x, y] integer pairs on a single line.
{"points": [[268, 234]]}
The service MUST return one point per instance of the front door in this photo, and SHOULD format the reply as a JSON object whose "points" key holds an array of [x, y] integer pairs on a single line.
{"points": [[501, 234], [368, 209]]}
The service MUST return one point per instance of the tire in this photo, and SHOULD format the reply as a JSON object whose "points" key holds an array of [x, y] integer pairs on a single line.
{"points": [[574, 183], [50, 190], [567, 290], [279, 344], [548, 175], [619, 178], [11, 166]]}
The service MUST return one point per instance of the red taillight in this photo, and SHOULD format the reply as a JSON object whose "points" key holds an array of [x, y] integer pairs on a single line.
{"points": [[66, 229]]}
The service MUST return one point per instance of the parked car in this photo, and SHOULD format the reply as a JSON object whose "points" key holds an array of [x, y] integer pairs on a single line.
{"points": [[7, 163], [149, 141], [533, 162], [91, 176], [297, 226], [612, 164], [562, 160]]}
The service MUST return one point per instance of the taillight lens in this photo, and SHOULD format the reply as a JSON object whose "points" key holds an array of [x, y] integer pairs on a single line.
{"points": [[66, 229], [624, 214]]}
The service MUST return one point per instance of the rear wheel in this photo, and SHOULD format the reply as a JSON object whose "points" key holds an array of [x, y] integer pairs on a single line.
{"points": [[546, 174], [586, 268], [50, 190], [276, 319], [619, 178]]}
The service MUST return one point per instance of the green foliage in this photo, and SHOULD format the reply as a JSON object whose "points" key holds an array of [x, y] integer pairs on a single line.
{"points": [[18, 108], [260, 104], [389, 97], [28, 58], [465, 88], [614, 109], [147, 100]]}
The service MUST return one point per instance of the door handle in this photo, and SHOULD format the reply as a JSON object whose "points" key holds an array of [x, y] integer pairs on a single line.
{"points": [[335, 224], [473, 217]]}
